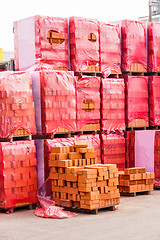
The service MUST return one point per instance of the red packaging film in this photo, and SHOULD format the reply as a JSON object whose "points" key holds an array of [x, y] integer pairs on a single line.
{"points": [[92, 141], [17, 115], [153, 47], [18, 176], [84, 44], [154, 100], [133, 46], [41, 42], [110, 57], [113, 150], [58, 101], [113, 104], [136, 101], [88, 103]]}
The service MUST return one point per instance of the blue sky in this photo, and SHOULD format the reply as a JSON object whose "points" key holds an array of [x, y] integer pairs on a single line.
{"points": [[103, 10]]}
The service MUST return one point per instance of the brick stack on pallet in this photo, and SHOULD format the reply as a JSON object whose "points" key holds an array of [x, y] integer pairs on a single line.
{"points": [[78, 181], [135, 180]]}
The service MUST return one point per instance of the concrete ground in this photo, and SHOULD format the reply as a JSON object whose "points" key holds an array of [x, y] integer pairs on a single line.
{"points": [[138, 218]]}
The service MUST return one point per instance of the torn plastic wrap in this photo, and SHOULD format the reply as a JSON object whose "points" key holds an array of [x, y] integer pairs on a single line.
{"points": [[113, 104], [41, 43], [84, 44], [154, 100], [92, 141], [153, 43], [57, 142], [113, 150], [88, 101], [136, 99], [58, 101], [46, 206], [110, 57], [16, 104], [18, 176], [133, 45]]}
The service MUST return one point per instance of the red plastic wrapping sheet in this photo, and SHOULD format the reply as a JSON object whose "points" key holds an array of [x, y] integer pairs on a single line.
{"points": [[88, 101], [130, 148], [56, 142], [110, 57], [133, 43], [154, 100], [16, 103], [45, 39], [18, 176], [93, 141], [58, 101], [113, 150], [136, 98], [153, 46], [113, 104], [157, 159], [84, 43]]}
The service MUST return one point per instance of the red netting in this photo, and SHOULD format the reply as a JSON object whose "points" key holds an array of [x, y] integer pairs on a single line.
{"points": [[58, 101], [136, 98], [16, 103], [88, 101], [133, 43], [113, 104], [153, 46], [113, 150], [18, 176], [84, 43], [154, 100], [110, 58]]}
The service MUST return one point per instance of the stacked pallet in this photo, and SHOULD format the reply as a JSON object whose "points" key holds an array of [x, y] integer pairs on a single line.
{"points": [[135, 180], [18, 176], [78, 181]]}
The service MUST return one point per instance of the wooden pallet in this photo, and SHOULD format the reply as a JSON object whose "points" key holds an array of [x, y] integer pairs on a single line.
{"points": [[25, 205], [88, 211], [114, 75], [88, 73], [134, 194]]}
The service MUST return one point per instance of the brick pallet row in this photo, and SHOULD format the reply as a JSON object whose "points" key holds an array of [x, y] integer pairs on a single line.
{"points": [[77, 181]]}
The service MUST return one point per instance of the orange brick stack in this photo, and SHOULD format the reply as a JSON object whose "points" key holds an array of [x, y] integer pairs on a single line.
{"points": [[135, 180], [78, 181]]}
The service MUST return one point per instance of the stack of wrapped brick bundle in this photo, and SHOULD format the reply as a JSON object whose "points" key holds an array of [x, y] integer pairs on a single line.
{"points": [[41, 43], [18, 177], [136, 101], [88, 103], [84, 44], [153, 47], [135, 180], [17, 115], [113, 104], [110, 58], [133, 46], [77, 181]]}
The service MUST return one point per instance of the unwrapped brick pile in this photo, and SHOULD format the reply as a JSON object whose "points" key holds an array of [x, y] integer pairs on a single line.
{"points": [[136, 180], [18, 176], [78, 181]]}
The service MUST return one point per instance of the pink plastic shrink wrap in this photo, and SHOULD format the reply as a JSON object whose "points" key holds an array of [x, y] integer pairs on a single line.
{"points": [[84, 44], [133, 44], [110, 57], [154, 100], [58, 101], [39, 143], [136, 99], [92, 141], [113, 150], [113, 104], [153, 42], [56, 142], [88, 101], [16, 104], [157, 159], [41, 43], [18, 176]]}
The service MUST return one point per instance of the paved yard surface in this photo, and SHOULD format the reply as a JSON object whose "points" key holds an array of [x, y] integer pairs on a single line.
{"points": [[138, 218]]}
